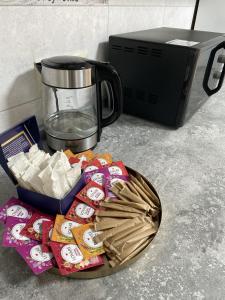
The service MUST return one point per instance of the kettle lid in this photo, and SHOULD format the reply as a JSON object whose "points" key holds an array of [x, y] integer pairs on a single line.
{"points": [[66, 63]]}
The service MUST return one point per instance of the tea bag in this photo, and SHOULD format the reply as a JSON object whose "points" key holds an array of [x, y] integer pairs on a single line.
{"points": [[47, 228], [70, 259], [15, 208], [35, 258], [62, 230], [33, 228], [80, 212], [92, 165], [110, 181], [104, 159], [97, 176], [12, 233], [92, 194], [84, 236], [118, 168]]}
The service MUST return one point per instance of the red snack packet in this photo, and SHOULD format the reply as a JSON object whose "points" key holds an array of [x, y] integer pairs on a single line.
{"points": [[47, 227], [104, 159], [93, 165], [92, 194], [33, 228], [84, 157], [70, 259], [80, 212], [118, 168]]}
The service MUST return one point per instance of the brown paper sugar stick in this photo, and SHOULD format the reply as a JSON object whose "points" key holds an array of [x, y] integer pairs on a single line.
{"points": [[135, 252], [120, 207], [129, 249], [107, 224], [127, 194], [132, 189], [111, 232], [116, 214], [117, 193], [142, 183], [126, 233], [101, 219], [140, 206], [133, 197], [135, 236], [146, 197], [153, 195], [145, 232]]}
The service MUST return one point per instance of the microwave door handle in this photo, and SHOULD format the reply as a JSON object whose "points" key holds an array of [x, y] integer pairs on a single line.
{"points": [[206, 87]]}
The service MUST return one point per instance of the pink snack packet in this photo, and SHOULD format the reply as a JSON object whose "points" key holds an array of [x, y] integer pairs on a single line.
{"points": [[47, 227], [118, 168], [35, 258], [12, 234], [33, 228], [17, 209], [70, 259], [110, 181], [97, 176]]}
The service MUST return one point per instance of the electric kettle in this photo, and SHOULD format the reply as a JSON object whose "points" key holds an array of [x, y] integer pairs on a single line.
{"points": [[73, 100]]}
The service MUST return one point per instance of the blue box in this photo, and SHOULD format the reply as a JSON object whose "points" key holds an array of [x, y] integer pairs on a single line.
{"points": [[21, 138]]}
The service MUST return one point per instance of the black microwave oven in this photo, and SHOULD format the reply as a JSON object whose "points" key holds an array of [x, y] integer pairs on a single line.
{"points": [[168, 73]]}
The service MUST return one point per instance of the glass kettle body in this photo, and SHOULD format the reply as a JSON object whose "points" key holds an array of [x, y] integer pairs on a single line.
{"points": [[73, 101]]}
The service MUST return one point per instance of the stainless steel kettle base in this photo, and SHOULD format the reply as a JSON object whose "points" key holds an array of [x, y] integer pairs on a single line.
{"points": [[75, 145]]}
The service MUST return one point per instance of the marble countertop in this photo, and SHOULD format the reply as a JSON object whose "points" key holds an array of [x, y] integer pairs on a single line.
{"points": [[187, 257]]}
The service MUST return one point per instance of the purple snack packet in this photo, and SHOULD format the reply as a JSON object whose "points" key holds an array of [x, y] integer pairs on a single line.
{"points": [[15, 208], [110, 181], [12, 234], [37, 260], [97, 176]]}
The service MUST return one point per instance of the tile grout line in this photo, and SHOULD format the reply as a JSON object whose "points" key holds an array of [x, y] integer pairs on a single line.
{"points": [[21, 104]]}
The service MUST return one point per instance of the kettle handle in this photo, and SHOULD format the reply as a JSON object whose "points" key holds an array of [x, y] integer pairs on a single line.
{"points": [[106, 72]]}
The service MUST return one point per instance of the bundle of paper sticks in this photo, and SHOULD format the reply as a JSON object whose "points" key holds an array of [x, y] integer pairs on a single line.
{"points": [[129, 222]]}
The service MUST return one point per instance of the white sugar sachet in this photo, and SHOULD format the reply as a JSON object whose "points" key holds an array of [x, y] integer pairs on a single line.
{"points": [[37, 158], [60, 187], [23, 184], [73, 175], [56, 187], [52, 175], [59, 156], [31, 176], [13, 158], [18, 165], [45, 174], [33, 149], [45, 161]]}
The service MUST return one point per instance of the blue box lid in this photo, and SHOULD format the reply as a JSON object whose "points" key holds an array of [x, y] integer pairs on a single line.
{"points": [[18, 139]]}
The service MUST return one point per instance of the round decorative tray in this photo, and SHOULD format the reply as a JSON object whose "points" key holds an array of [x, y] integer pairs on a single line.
{"points": [[106, 269]]}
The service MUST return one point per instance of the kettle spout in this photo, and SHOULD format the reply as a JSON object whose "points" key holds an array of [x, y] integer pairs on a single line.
{"points": [[38, 67]]}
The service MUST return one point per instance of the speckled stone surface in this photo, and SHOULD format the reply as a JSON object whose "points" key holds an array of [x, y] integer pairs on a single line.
{"points": [[187, 258]]}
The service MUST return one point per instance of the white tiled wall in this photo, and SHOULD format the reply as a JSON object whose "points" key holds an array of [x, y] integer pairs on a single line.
{"points": [[29, 33]]}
